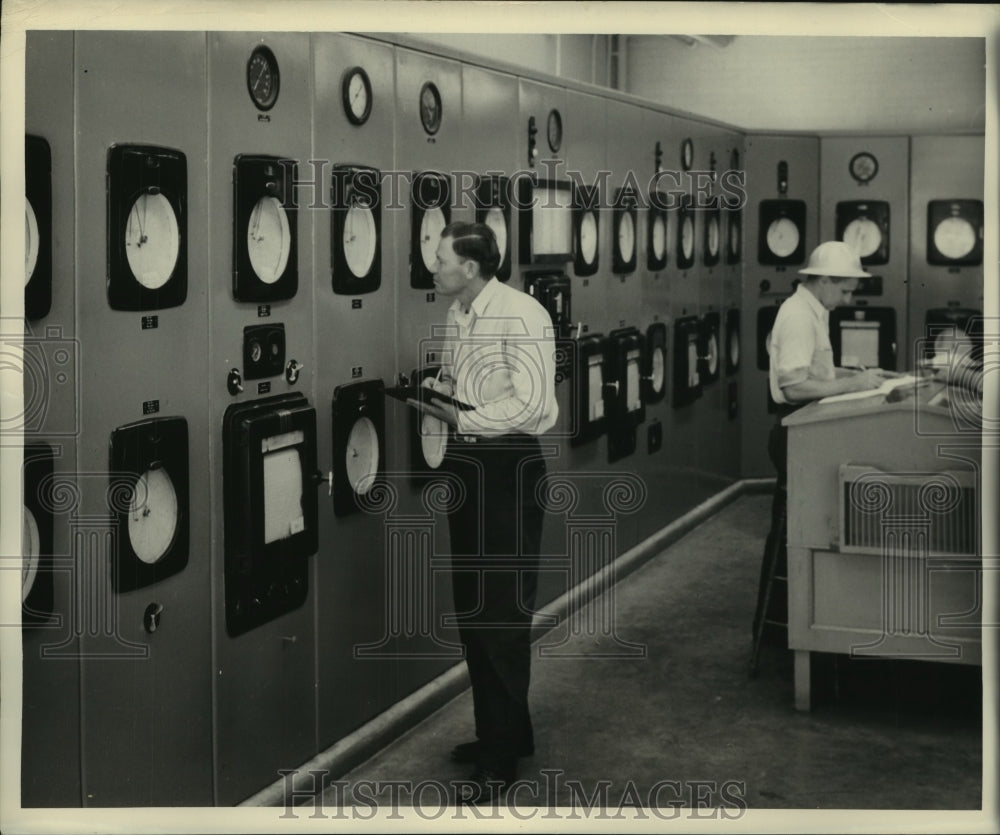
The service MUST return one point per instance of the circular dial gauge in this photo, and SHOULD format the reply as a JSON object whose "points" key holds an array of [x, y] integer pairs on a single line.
{"points": [[31, 242], [362, 455], [626, 237], [954, 237], [262, 78], [555, 130], [357, 93], [433, 440], [430, 108], [658, 371], [734, 348], [431, 225], [360, 240], [713, 354], [863, 236], [687, 238], [588, 238], [713, 236], [659, 237], [498, 223], [31, 546], [152, 240], [692, 365], [269, 239], [152, 515], [863, 167], [734, 234], [782, 237]]}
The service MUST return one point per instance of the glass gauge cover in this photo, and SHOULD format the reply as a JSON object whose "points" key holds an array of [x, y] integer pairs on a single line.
{"points": [[782, 237], [588, 237], [30, 551], [431, 226], [152, 240], [362, 455], [268, 239], [498, 223], [152, 516], [433, 440], [863, 236], [658, 375], [626, 237], [659, 237], [954, 237], [31, 243], [360, 240], [687, 238]]}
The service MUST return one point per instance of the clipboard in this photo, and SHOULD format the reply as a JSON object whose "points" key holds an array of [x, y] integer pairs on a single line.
{"points": [[422, 395]]}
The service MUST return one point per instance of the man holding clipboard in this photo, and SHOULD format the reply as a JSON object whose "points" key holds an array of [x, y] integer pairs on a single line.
{"points": [[498, 363]]}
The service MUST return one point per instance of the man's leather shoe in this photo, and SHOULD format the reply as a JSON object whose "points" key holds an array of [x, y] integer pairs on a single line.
{"points": [[484, 786], [468, 752]]}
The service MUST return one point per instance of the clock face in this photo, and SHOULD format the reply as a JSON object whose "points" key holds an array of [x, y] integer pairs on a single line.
{"points": [[659, 237], [555, 130], [498, 223], [360, 240], [658, 373], [433, 440], [357, 94], [31, 243], [152, 240], [713, 236], [588, 237], [362, 455], [863, 167], [954, 237], [269, 239], [262, 78], [687, 238], [863, 236], [626, 237], [430, 108], [152, 516], [431, 226], [31, 546], [782, 237]]}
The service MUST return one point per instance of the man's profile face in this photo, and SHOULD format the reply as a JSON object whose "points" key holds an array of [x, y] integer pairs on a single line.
{"points": [[450, 277], [835, 293]]}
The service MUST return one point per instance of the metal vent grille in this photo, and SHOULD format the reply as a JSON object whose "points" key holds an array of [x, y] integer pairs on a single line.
{"points": [[932, 513]]}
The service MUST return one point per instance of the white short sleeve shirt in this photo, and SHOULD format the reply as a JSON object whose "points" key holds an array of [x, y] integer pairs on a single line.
{"points": [[799, 346]]}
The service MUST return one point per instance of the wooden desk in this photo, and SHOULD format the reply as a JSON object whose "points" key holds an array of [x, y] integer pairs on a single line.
{"points": [[884, 554]]}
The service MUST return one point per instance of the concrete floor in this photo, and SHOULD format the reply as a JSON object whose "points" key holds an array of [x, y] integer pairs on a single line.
{"points": [[881, 735]]}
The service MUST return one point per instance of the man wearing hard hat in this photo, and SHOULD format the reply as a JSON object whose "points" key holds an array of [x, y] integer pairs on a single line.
{"points": [[802, 370]]}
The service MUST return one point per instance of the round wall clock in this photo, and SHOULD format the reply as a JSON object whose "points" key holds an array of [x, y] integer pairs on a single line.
{"points": [[863, 167], [269, 240], [356, 89], [153, 516], [263, 79], [430, 107], [687, 154], [555, 130]]}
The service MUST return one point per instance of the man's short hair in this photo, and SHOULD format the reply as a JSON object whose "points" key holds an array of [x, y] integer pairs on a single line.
{"points": [[475, 242]]}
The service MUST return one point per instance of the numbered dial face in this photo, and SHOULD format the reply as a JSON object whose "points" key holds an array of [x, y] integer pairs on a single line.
{"points": [[782, 237], [626, 237], [433, 440], [713, 236], [430, 108], [262, 78], [269, 239], [659, 237], [863, 167], [954, 237], [362, 456], [152, 516], [863, 236], [31, 546], [687, 238], [498, 223], [588, 238], [357, 93], [658, 371], [360, 240], [431, 226], [152, 240], [31, 243]]}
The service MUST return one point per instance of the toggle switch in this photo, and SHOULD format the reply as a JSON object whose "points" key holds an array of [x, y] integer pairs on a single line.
{"points": [[151, 617], [292, 371], [234, 382]]}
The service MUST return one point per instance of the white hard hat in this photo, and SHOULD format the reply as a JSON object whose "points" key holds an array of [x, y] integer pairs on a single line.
{"points": [[835, 259]]}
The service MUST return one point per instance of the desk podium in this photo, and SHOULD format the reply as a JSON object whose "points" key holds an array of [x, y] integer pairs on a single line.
{"points": [[884, 555]]}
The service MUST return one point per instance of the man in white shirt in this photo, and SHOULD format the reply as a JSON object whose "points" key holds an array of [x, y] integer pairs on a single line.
{"points": [[802, 370], [499, 357]]}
